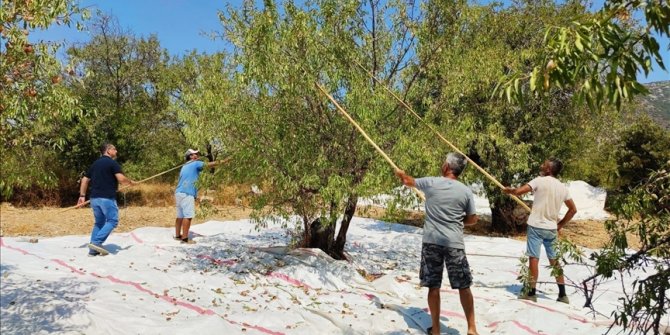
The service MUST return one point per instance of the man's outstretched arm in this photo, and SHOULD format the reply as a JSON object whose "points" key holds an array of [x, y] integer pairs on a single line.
{"points": [[518, 191], [406, 179]]}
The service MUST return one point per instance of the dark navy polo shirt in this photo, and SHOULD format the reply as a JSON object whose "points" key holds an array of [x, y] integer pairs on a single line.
{"points": [[103, 180]]}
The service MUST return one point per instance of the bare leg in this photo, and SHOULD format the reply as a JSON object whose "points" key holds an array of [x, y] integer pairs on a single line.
{"points": [[185, 226], [434, 307], [177, 227], [468, 304], [559, 279], [534, 272]]}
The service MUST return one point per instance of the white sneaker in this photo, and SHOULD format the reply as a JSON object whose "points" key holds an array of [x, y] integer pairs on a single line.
{"points": [[100, 249]]}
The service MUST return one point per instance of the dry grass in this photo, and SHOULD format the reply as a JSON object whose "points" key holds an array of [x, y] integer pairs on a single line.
{"points": [[51, 221], [162, 195]]}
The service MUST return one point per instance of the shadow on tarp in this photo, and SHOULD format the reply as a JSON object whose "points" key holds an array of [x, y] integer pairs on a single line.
{"points": [[417, 318], [29, 306], [110, 247]]}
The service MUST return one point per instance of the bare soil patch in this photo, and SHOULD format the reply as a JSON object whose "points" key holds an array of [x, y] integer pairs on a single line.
{"points": [[52, 221]]}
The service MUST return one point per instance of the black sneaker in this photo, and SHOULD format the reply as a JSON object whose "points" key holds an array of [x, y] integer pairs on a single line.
{"points": [[187, 241]]}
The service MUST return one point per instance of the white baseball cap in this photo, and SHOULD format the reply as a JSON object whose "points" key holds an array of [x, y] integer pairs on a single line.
{"points": [[190, 152]]}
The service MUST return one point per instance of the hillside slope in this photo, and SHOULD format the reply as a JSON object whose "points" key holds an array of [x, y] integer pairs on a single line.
{"points": [[657, 103]]}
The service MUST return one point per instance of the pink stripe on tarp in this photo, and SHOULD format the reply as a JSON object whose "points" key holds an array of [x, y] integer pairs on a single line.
{"points": [[140, 241], [2, 244], [61, 262], [262, 329], [519, 325], [288, 279], [448, 313], [570, 316], [137, 239], [370, 296], [475, 297], [138, 286], [217, 261], [259, 328]]}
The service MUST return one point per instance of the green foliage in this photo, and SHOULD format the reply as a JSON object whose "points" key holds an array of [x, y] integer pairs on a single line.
{"points": [[644, 213], [125, 92], [261, 102], [482, 44], [643, 148], [33, 99], [566, 252], [524, 276], [597, 56]]}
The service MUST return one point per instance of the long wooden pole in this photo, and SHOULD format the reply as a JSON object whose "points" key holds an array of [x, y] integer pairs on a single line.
{"points": [[142, 181], [348, 117], [490, 177]]}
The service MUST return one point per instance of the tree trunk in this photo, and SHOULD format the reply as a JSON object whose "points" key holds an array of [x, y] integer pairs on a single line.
{"points": [[338, 248], [507, 216], [322, 235]]}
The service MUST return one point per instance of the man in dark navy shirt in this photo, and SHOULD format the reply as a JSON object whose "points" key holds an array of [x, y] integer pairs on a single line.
{"points": [[104, 176]]}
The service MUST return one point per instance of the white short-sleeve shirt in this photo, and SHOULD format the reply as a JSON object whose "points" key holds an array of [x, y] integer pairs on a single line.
{"points": [[549, 195]]}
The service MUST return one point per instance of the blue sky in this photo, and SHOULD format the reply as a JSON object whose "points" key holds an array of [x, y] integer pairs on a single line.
{"points": [[180, 25]]}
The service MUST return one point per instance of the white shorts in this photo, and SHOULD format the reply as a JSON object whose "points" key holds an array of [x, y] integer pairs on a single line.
{"points": [[185, 206]]}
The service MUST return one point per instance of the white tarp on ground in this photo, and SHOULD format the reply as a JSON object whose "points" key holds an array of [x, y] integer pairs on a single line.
{"points": [[590, 200], [238, 280]]}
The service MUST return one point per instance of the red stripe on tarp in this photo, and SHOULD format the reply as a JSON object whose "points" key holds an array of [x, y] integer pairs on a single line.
{"points": [[138, 286], [288, 279], [2, 244], [139, 240], [570, 316], [448, 313]]}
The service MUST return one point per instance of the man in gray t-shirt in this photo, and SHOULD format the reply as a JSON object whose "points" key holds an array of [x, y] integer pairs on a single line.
{"points": [[449, 206]]}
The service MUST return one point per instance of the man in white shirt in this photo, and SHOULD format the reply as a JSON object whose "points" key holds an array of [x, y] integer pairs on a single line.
{"points": [[543, 224]]}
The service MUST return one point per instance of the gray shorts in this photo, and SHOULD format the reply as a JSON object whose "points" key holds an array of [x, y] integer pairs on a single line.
{"points": [[458, 269], [185, 206]]}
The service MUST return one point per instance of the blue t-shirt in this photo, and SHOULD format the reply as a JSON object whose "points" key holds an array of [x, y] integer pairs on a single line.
{"points": [[448, 201], [103, 177], [188, 177]]}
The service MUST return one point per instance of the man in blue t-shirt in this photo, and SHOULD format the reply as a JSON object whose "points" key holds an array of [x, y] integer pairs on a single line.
{"points": [[186, 193], [104, 176], [449, 206]]}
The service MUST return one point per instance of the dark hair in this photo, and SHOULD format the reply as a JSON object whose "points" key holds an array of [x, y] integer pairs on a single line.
{"points": [[555, 165], [104, 147]]}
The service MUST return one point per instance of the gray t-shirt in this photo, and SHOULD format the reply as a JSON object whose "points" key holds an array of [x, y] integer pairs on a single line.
{"points": [[448, 201]]}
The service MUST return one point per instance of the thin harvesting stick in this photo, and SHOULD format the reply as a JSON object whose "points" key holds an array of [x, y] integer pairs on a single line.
{"points": [[348, 117], [490, 177], [141, 181]]}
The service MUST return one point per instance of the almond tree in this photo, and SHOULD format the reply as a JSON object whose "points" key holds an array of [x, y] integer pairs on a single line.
{"points": [[33, 98], [261, 102]]}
